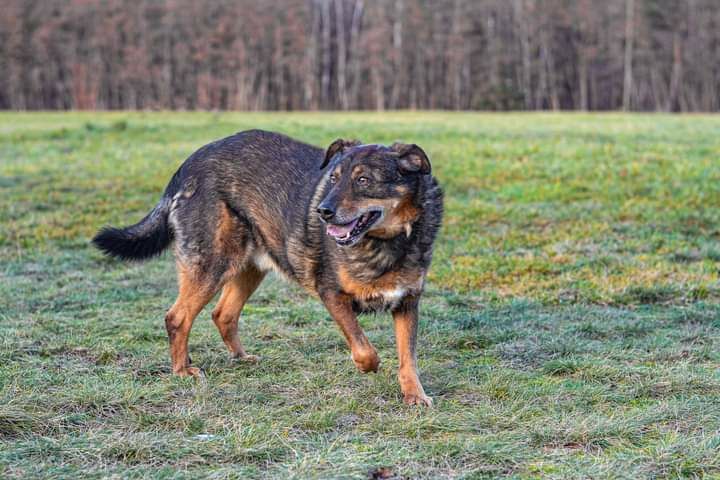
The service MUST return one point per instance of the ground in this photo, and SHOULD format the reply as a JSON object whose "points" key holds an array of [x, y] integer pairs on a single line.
{"points": [[570, 327]]}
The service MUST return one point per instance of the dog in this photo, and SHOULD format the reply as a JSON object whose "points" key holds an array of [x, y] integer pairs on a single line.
{"points": [[354, 225]]}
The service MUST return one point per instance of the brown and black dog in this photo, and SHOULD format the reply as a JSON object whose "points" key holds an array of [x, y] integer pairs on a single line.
{"points": [[353, 225]]}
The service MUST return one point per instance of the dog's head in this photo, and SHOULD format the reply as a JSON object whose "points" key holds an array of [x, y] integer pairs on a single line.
{"points": [[372, 190]]}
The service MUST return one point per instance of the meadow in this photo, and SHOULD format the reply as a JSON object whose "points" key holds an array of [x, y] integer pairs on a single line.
{"points": [[570, 327]]}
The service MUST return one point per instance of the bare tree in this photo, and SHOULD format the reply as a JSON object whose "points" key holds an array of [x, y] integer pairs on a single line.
{"points": [[342, 54], [326, 53], [629, 39], [354, 48]]}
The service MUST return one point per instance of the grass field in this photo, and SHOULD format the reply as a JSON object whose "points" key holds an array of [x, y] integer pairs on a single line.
{"points": [[570, 329]]}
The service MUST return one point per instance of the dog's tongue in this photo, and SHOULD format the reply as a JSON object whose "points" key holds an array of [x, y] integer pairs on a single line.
{"points": [[339, 231]]}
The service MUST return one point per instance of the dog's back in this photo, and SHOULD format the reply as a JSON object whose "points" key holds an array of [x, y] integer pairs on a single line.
{"points": [[245, 196], [235, 200]]}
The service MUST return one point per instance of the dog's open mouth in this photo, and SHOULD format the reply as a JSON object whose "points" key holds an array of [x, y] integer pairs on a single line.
{"points": [[349, 233]]}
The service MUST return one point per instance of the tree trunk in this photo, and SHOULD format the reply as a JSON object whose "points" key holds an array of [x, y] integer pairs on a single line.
{"points": [[326, 52], [676, 75], [583, 82], [379, 90], [354, 45], [520, 14], [397, 54], [311, 58], [629, 40], [341, 53]]}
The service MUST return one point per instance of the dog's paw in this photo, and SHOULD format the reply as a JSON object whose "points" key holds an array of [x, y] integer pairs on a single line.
{"points": [[418, 399], [247, 358], [366, 361], [191, 372]]}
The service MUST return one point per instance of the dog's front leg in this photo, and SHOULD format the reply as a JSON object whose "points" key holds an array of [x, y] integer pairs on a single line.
{"points": [[406, 320], [363, 353]]}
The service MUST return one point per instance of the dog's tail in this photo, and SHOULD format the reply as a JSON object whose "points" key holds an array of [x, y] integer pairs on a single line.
{"points": [[147, 238]]}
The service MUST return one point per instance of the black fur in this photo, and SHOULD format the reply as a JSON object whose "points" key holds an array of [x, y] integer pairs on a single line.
{"points": [[147, 238]]}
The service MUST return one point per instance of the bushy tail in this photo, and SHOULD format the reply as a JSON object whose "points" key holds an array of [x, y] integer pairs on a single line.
{"points": [[147, 238]]}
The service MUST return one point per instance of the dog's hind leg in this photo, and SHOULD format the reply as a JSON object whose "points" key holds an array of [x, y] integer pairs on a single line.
{"points": [[194, 293], [227, 312]]}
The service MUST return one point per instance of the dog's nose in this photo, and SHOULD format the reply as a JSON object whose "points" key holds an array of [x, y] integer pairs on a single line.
{"points": [[325, 212]]}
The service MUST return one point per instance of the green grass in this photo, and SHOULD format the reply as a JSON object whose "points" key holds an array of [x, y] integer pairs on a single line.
{"points": [[570, 328]]}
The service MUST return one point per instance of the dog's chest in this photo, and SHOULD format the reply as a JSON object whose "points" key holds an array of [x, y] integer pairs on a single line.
{"points": [[383, 292], [381, 301]]}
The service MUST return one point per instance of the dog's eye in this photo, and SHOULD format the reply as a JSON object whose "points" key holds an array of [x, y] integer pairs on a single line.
{"points": [[363, 181], [333, 178]]}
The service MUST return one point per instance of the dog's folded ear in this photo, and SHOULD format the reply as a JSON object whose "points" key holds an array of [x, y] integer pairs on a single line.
{"points": [[411, 158], [338, 146]]}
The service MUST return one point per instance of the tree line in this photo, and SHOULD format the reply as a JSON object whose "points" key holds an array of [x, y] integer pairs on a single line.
{"points": [[648, 55]]}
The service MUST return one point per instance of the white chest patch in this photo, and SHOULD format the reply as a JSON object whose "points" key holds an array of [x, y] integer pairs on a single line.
{"points": [[393, 296], [266, 264]]}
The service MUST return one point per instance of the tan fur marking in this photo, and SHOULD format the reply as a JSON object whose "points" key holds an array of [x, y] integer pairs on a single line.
{"points": [[227, 228], [366, 290], [193, 295], [348, 205], [265, 221], [363, 353], [406, 338], [374, 289], [227, 311], [398, 219]]}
